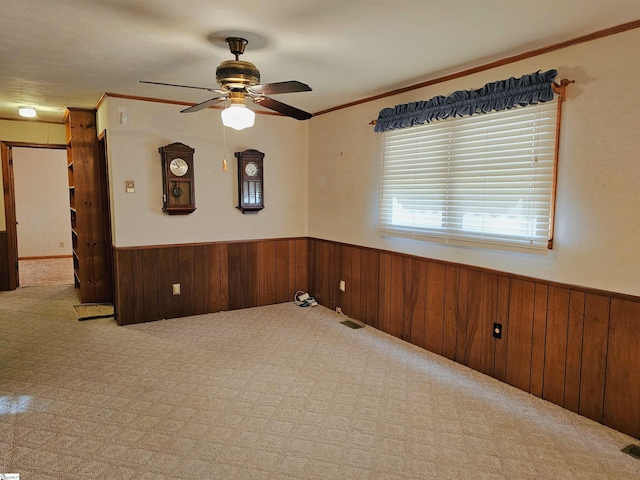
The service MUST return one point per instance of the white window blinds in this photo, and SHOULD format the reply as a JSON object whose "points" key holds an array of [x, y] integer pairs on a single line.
{"points": [[485, 179]]}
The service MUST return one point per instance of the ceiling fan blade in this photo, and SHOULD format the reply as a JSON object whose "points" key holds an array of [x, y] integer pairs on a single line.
{"points": [[203, 105], [280, 87], [282, 108], [206, 89]]}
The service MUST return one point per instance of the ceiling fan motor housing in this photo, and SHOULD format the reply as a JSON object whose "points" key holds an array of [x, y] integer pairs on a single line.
{"points": [[237, 74]]}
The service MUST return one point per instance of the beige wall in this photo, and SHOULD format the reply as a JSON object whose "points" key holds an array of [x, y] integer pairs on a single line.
{"points": [[133, 155], [31, 132], [42, 202], [597, 225]]}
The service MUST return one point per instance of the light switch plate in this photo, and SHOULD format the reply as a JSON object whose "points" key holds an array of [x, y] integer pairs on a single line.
{"points": [[129, 186]]}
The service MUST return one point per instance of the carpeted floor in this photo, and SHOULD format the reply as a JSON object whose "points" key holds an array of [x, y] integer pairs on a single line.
{"points": [[46, 271], [276, 392]]}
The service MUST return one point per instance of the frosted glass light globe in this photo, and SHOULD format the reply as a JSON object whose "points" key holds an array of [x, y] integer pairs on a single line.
{"points": [[238, 117]]}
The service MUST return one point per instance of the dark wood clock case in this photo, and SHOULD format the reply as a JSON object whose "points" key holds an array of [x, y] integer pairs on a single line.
{"points": [[250, 181], [178, 183]]}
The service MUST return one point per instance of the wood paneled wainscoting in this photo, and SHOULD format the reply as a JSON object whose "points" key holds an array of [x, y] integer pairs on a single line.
{"points": [[212, 277], [578, 348]]}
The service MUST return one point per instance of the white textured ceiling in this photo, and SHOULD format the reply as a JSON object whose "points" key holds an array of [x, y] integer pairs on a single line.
{"points": [[59, 53]]}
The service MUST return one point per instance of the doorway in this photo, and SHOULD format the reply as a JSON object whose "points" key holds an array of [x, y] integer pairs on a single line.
{"points": [[9, 260], [43, 224]]}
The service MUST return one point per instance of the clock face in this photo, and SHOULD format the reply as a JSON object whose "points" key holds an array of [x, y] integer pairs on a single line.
{"points": [[251, 169], [178, 167]]}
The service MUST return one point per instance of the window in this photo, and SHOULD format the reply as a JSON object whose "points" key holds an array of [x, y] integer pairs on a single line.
{"points": [[485, 179]]}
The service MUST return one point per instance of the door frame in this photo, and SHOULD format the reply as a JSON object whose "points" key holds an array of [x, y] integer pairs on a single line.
{"points": [[6, 152], [105, 189]]}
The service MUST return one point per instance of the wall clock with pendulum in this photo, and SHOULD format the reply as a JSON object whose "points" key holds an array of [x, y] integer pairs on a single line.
{"points": [[250, 181], [178, 179]]}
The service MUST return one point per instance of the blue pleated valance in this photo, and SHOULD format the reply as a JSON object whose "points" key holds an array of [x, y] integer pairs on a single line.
{"points": [[496, 96]]}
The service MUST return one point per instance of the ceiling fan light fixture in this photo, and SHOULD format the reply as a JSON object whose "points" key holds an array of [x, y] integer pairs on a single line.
{"points": [[238, 116], [27, 112]]}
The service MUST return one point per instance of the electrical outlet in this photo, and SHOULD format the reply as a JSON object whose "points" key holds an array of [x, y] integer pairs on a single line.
{"points": [[61, 244], [176, 289], [497, 330]]}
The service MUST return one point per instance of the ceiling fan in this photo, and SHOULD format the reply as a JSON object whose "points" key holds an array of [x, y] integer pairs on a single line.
{"points": [[240, 80]]}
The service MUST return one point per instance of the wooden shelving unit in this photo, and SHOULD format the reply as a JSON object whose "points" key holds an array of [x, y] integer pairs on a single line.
{"points": [[90, 240]]}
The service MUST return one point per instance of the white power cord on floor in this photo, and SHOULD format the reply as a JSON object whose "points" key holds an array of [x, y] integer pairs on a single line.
{"points": [[302, 299]]}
